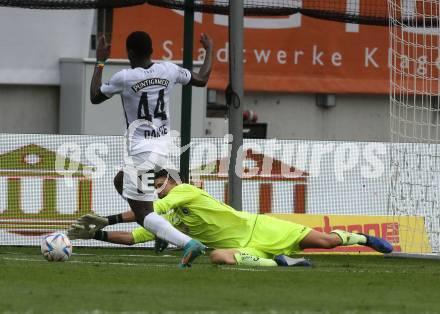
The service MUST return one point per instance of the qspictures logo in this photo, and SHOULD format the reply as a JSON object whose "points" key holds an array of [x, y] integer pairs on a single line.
{"points": [[34, 198]]}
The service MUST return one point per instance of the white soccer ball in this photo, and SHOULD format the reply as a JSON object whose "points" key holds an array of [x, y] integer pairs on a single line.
{"points": [[56, 247]]}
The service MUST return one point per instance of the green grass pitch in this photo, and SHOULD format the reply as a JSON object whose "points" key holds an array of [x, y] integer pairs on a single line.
{"points": [[138, 281]]}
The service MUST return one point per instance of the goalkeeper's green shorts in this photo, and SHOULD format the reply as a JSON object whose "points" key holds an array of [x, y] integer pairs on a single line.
{"points": [[273, 236]]}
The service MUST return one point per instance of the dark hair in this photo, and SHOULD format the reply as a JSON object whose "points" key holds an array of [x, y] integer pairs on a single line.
{"points": [[140, 44], [168, 173]]}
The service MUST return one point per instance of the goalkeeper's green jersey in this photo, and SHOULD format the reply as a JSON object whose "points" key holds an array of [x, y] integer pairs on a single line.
{"points": [[201, 216]]}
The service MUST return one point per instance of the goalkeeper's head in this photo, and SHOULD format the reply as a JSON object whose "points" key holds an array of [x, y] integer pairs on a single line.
{"points": [[165, 180]]}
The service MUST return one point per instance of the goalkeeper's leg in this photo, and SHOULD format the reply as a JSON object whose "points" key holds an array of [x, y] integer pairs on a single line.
{"points": [[253, 257], [235, 257], [315, 239]]}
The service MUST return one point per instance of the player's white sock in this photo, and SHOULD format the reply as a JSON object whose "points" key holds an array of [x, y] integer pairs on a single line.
{"points": [[163, 229]]}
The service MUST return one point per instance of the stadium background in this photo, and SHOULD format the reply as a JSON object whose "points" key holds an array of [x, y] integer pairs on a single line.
{"points": [[306, 85], [31, 81], [334, 132]]}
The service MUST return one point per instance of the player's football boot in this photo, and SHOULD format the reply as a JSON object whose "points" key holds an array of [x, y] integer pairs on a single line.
{"points": [[283, 260], [378, 244], [191, 251]]}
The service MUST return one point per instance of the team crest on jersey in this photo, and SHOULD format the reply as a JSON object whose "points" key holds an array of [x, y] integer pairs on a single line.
{"points": [[149, 82], [185, 211]]}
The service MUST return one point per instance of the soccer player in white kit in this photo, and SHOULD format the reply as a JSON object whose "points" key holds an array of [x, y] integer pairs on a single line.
{"points": [[144, 89]]}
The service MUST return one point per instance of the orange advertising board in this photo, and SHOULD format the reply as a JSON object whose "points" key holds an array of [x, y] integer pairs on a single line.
{"points": [[282, 54], [406, 233]]}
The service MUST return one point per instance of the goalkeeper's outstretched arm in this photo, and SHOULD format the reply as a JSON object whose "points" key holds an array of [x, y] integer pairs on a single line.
{"points": [[95, 222], [138, 235], [129, 238], [90, 225], [119, 237]]}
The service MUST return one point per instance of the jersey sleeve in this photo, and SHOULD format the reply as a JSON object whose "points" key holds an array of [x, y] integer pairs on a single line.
{"points": [[115, 85], [181, 75], [177, 197]]}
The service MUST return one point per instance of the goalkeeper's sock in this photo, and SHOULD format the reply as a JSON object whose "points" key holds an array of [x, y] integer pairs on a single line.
{"points": [[249, 260], [114, 219], [101, 235], [163, 229], [349, 238]]}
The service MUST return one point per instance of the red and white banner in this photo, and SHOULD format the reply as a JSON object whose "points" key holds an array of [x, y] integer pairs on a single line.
{"points": [[282, 54]]}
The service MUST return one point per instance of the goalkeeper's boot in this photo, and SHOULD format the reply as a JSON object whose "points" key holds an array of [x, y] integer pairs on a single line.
{"points": [[283, 260], [378, 244], [191, 251]]}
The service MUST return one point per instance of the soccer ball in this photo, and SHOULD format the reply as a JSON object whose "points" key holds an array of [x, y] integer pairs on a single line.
{"points": [[56, 247]]}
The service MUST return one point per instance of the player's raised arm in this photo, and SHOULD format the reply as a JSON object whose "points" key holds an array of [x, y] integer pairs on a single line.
{"points": [[102, 54], [201, 79]]}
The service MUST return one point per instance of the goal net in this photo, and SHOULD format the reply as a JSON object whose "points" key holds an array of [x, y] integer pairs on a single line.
{"points": [[415, 118], [355, 11]]}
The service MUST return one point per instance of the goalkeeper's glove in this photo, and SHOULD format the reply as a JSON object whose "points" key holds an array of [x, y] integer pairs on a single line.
{"points": [[80, 232], [92, 221], [160, 245]]}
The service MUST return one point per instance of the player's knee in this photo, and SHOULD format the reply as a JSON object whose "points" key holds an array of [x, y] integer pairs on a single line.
{"points": [[140, 209], [139, 217], [118, 182], [221, 257]]}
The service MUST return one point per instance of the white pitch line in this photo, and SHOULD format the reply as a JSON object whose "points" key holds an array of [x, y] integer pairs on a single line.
{"points": [[123, 255], [272, 269], [84, 262], [242, 269], [107, 255], [131, 264]]}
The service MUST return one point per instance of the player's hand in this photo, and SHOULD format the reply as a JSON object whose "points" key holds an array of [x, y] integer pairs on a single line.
{"points": [[80, 232], [160, 245], [103, 49], [206, 41], [91, 221]]}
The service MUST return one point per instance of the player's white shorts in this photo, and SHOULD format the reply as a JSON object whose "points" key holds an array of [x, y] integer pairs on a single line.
{"points": [[139, 175]]}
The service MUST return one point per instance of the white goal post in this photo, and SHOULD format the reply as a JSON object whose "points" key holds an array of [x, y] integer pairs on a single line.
{"points": [[415, 119]]}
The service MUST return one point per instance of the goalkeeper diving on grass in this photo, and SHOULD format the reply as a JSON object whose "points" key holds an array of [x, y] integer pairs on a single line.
{"points": [[238, 238]]}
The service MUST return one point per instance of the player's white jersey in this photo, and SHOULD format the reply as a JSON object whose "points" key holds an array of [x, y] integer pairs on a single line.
{"points": [[145, 98]]}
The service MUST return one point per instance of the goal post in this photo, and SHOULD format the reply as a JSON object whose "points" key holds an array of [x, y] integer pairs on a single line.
{"points": [[415, 119]]}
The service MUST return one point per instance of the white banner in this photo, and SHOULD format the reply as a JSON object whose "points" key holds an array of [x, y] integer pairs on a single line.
{"points": [[281, 176]]}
